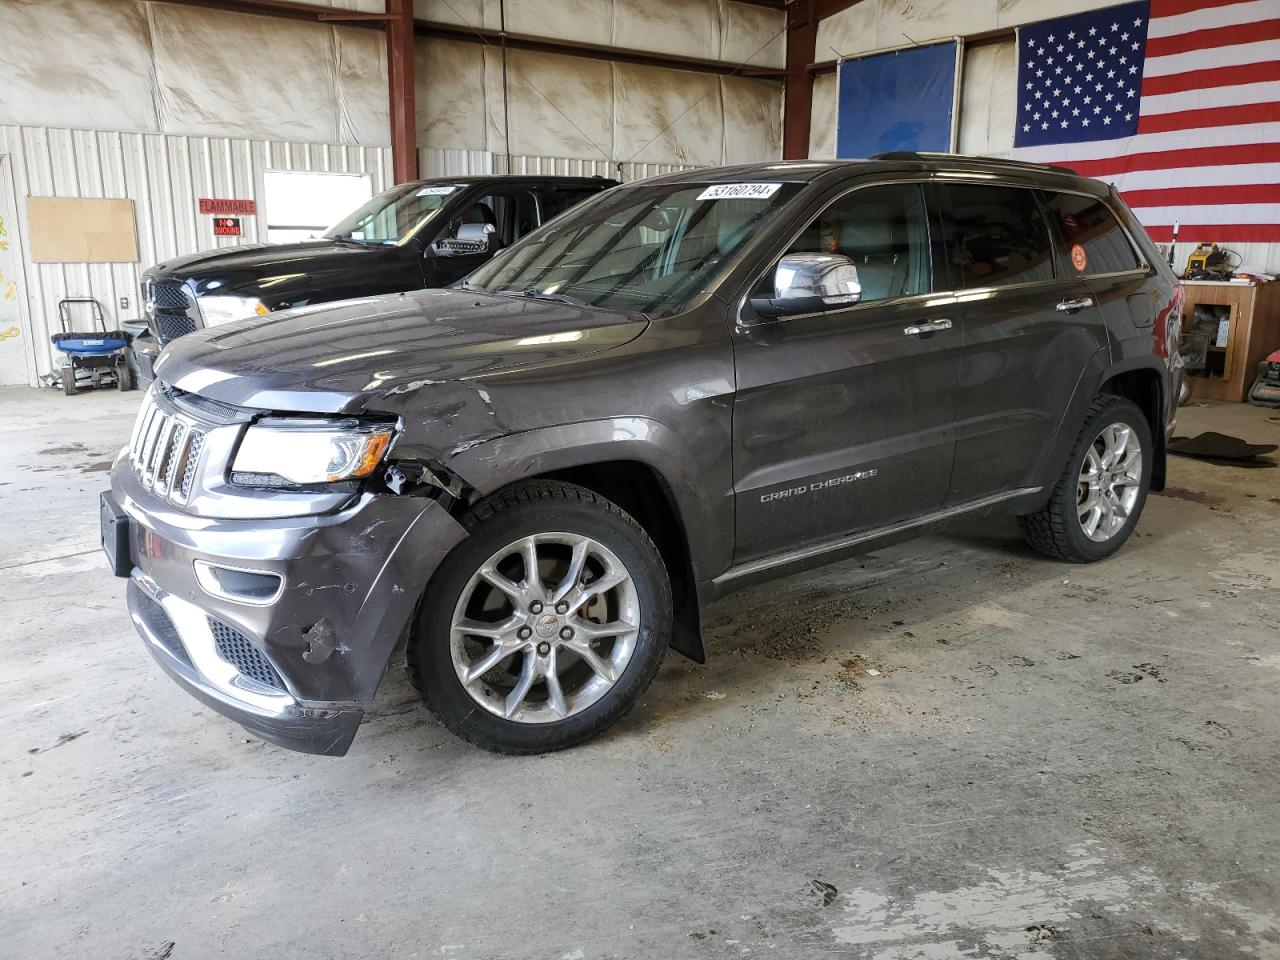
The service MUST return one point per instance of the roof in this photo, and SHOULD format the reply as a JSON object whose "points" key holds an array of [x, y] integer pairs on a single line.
{"points": [[807, 171], [515, 178]]}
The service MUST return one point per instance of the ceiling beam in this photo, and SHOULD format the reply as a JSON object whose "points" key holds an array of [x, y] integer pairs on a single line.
{"points": [[592, 51]]}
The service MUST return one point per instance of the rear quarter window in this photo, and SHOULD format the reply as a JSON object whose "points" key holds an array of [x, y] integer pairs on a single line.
{"points": [[1088, 226]]}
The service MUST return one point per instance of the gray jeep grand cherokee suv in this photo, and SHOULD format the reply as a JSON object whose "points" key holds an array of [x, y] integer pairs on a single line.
{"points": [[537, 478]]}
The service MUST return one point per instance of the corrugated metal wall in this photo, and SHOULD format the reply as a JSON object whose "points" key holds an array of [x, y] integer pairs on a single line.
{"points": [[166, 175]]}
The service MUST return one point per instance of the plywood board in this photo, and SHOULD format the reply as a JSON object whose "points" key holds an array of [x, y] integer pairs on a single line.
{"points": [[80, 230]]}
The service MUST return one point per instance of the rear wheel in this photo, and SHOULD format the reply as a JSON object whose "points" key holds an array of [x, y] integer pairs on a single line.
{"points": [[1097, 500], [546, 625]]}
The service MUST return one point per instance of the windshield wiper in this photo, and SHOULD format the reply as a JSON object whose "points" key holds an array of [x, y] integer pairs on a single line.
{"points": [[347, 238], [535, 294]]}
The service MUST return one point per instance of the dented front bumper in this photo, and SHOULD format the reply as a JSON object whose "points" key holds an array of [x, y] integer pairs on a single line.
{"points": [[284, 625]]}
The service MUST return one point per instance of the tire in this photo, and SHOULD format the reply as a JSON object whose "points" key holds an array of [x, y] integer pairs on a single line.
{"points": [[594, 686], [69, 381], [124, 377], [1059, 529]]}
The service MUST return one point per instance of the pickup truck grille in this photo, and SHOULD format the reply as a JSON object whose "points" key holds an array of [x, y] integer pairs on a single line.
{"points": [[165, 450], [171, 310]]}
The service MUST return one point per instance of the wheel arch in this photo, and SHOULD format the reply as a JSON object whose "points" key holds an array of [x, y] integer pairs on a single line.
{"points": [[1144, 386], [643, 492], [638, 464], [1140, 380]]}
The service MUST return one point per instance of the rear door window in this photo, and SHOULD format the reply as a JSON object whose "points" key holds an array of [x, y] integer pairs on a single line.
{"points": [[996, 236], [556, 202], [1094, 241]]}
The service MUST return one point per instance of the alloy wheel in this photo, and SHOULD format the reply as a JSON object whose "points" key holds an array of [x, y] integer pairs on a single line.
{"points": [[1110, 482], [545, 627]]}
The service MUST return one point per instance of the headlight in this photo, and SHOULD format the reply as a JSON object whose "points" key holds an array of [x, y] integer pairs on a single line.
{"points": [[217, 310], [281, 453]]}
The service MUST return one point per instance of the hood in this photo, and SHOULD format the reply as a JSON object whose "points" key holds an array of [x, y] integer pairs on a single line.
{"points": [[344, 356], [274, 267]]}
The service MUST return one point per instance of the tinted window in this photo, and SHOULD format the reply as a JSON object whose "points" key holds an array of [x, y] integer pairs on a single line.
{"points": [[997, 236], [1086, 222], [557, 202], [884, 231]]}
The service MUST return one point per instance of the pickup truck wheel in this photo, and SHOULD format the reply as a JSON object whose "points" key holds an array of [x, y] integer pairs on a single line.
{"points": [[1097, 500], [546, 625]]}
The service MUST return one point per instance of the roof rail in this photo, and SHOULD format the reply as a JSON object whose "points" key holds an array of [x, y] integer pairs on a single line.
{"points": [[993, 161]]}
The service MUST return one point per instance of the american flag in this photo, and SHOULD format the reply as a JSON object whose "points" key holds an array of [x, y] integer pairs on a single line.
{"points": [[1175, 102]]}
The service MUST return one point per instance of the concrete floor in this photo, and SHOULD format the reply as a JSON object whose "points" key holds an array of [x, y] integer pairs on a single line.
{"points": [[1053, 761]]}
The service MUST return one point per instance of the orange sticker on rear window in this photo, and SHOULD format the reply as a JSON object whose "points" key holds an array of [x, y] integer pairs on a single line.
{"points": [[1079, 259]]}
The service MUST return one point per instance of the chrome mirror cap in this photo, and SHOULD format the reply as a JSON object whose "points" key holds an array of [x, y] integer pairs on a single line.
{"points": [[476, 232], [831, 277], [809, 283]]}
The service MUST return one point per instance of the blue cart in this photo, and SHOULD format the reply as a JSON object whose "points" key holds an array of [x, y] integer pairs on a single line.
{"points": [[92, 359]]}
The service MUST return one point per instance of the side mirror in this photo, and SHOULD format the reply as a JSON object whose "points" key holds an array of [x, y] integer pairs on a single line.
{"points": [[472, 238], [810, 283]]}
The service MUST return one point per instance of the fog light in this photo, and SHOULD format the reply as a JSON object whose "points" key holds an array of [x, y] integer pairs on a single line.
{"points": [[238, 584]]}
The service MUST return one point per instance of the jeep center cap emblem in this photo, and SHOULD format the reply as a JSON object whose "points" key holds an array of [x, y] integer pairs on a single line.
{"points": [[546, 625]]}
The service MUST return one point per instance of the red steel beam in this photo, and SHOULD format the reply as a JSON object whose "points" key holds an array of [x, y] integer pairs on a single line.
{"points": [[400, 74], [803, 17]]}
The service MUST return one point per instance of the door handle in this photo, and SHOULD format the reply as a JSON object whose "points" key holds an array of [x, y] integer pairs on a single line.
{"points": [[1071, 306], [933, 326]]}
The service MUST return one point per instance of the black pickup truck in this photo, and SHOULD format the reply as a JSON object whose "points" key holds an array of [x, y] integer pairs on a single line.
{"points": [[429, 233]]}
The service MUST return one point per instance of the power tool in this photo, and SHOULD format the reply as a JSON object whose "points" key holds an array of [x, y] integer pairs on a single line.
{"points": [[1207, 262]]}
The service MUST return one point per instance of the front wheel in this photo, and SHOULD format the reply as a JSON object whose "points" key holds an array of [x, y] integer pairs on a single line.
{"points": [[1097, 500], [546, 625]]}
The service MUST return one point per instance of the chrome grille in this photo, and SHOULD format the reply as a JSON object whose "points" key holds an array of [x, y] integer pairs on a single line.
{"points": [[165, 450], [171, 310], [238, 650]]}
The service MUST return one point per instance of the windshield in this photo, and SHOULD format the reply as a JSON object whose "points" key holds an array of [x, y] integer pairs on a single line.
{"points": [[640, 249], [394, 215]]}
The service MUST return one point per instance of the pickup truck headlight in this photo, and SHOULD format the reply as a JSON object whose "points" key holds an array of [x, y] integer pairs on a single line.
{"points": [[219, 310], [285, 453]]}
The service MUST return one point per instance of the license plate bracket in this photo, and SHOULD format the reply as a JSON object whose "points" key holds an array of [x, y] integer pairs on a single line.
{"points": [[116, 542]]}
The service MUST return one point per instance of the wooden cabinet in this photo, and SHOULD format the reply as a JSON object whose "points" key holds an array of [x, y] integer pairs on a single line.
{"points": [[1252, 313]]}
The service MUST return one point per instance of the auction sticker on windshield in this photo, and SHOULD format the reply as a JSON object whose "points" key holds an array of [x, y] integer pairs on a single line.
{"points": [[740, 191], [435, 191]]}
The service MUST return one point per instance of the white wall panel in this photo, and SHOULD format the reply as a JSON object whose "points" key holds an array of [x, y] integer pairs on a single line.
{"points": [[752, 111], [450, 94], [559, 106], [712, 29], [213, 68], [822, 123], [59, 70], [573, 107], [988, 99], [164, 176]]}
